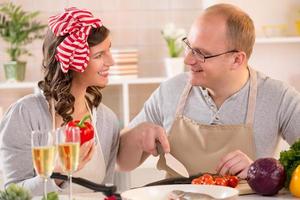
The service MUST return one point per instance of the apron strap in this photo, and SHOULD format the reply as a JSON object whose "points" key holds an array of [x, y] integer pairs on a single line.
{"points": [[94, 121], [53, 114], [252, 97], [183, 98]]}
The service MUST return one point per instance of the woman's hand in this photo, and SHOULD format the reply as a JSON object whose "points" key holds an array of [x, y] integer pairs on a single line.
{"points": [[234, 163], [86, 153]]}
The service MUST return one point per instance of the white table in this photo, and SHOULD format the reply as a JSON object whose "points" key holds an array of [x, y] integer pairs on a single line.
{"points": [[258, 197], [283, 195], [98, 196]]}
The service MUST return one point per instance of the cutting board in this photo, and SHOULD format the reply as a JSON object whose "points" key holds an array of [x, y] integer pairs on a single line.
{"points": [[244, 188]]}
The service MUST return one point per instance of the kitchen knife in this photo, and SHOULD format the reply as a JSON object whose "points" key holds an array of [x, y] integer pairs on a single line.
{"points": [[172, 162]]}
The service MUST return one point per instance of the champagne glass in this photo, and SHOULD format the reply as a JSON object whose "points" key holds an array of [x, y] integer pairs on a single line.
{"points": [[43, 154], [68, 140]]}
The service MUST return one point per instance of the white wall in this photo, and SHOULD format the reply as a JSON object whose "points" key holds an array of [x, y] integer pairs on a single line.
{"points": [[280, 61]]}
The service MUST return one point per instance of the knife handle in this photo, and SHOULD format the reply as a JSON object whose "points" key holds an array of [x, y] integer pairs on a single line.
{"points": [[159, 148], [107, 190]]}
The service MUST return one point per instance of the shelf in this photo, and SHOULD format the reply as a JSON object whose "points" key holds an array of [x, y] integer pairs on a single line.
{"points": [[137, 80], [277, 40], [18, 85], [29, 85]]}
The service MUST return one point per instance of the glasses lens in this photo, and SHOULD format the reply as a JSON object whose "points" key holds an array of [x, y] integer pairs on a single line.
{"points": [[199, 57], [188, 49]]}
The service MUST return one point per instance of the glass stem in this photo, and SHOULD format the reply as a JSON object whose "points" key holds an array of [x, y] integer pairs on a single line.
{"points": [[45, 188], [70, 191]]}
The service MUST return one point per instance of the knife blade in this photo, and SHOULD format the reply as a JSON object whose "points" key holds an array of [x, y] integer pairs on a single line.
{"points": [[172, 162]]}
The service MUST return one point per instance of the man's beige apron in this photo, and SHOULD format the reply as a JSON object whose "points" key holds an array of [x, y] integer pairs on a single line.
{"points": [[95, 169], [199, 146]]}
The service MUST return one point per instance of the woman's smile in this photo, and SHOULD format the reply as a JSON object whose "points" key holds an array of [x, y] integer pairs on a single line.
{"points": [[103, 73]]}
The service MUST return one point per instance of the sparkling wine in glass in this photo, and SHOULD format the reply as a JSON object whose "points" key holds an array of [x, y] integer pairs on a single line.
{"points": [[68, 139], [43, 154]]}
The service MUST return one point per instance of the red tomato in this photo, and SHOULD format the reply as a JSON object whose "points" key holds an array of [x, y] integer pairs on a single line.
{"points": [[209, 182], [197, 181], [207, 177], [233, 181], [220, 181], [227, 177]]}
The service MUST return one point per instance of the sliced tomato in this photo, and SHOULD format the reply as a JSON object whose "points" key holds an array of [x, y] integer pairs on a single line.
{"points": [[210, 182], [197, 181], [220, 181], [207, 177]]}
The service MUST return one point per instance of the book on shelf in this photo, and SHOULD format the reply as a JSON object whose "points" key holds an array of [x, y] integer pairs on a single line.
{"points": [[126, 63]]}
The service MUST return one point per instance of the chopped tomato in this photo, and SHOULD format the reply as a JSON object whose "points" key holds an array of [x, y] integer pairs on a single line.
{"points": [[208, 179], [227, 177], [209, 182], [197, 181], [205, 179], [220, 181]]}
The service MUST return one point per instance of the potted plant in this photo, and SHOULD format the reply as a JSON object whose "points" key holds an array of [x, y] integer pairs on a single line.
{"points": [[173, 36], [18, 28]]}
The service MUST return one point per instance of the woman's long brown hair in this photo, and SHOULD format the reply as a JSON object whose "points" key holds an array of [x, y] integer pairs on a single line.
{"points": [[57, 85]]}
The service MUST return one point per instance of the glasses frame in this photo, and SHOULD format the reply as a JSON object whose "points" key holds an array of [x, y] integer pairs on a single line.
{"points": [[198, 55]]}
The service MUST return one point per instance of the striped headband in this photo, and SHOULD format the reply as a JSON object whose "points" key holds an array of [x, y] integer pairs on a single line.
{"points": [[73, 51]]}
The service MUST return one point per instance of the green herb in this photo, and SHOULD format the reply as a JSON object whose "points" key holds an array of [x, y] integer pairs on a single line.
{"points": [[290, 159], [15, 192], [52, 196]]}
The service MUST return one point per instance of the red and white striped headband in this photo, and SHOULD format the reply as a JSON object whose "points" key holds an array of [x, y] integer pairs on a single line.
{"points": [[73, 51]]}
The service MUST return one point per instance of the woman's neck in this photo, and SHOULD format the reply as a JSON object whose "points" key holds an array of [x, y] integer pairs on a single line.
{"points": [[80, 108]]}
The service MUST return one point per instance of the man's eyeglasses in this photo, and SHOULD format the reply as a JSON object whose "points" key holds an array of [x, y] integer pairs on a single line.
{"points": [[198, 55]]}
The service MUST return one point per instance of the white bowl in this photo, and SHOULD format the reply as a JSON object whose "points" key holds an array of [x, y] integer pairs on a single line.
{"points": [[161, 192]]}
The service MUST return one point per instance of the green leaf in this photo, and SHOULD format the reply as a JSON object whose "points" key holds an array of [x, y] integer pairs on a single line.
{"points": [[51, 196], [19, 28], [15, 192], [290, 159]]}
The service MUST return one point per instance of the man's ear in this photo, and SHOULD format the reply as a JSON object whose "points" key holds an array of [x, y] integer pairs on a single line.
{"points": [[239, 58]]}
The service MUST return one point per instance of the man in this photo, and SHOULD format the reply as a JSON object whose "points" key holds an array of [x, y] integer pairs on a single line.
{"points": [[221, 115]]}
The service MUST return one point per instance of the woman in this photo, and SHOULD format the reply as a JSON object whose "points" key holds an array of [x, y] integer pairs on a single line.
{"points": [[76, 62]]}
